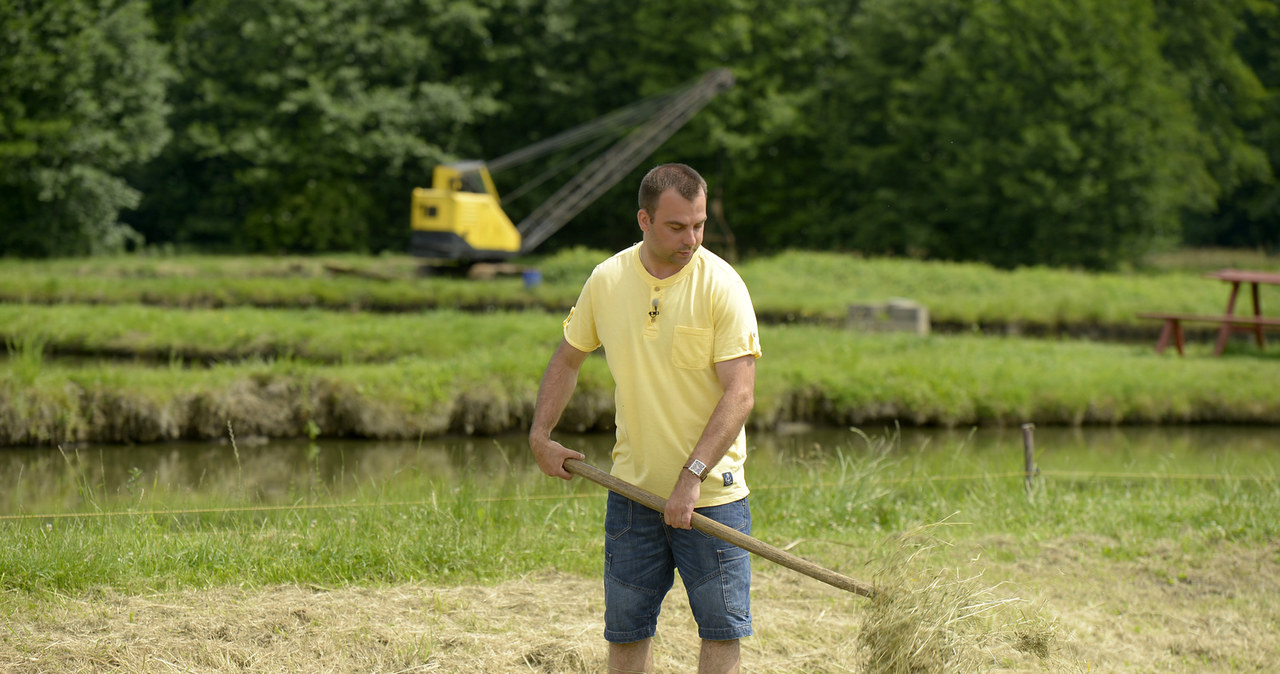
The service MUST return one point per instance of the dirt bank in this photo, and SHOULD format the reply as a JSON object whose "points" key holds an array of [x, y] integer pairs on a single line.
{"points": [[270, 407], [283, 405]]}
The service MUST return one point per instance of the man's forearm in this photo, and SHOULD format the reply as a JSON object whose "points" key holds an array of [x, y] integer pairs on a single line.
{"points": [[558, 383], [726, 421], [557, 386], [738, 384]]}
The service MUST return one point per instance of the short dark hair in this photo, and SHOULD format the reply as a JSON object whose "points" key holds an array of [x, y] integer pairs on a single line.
{"points": [[659, 179]]}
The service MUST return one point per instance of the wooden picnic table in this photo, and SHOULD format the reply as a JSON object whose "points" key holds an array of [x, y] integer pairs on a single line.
{"points": [[1228, 322], [1235, 277]]}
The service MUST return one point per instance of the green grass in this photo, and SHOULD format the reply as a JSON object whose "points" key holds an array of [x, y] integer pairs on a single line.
{"points": [[239, 333], [290, 282], [790, 285], [832, 377], [1129, 497], [1210, 259], [423, 527], [448, 538], [806, 284], [282, 367], [808, 373]]}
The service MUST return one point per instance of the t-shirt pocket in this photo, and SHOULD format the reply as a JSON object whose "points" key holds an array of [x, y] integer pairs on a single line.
{"points": [[691, 348]]}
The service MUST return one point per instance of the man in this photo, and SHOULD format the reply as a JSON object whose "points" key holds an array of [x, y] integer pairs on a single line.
{"points": [[680, 337]]}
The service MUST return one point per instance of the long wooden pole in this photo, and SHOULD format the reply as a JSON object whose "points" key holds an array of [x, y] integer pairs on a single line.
{"points": [[713, 528]]}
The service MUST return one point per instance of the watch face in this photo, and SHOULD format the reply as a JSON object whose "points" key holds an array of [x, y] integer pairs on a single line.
{"points": [[697, 467]]}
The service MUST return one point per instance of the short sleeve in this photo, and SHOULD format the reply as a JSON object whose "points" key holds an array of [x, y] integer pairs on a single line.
{"points": [[580, 325], [737, 332]]}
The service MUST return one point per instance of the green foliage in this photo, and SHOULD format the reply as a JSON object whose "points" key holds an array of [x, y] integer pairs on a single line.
{"points": [[769, 135], [1251, 216], [1220, 85], [1014, 132], [82, 99], [303, 125], [1066, 133]]}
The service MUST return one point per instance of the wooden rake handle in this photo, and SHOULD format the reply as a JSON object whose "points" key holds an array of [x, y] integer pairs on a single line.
{"points": [[713, 528]]}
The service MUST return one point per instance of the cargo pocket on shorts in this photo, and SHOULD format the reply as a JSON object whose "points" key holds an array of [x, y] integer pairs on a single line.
{"points": [[617, 522], [735, 580], [691, 348]]}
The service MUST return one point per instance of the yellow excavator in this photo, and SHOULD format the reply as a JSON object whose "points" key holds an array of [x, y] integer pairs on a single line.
{"points": [[459, 220]]}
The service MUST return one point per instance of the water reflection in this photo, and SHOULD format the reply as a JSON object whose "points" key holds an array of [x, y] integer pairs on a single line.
{"points": [[293, 471]]}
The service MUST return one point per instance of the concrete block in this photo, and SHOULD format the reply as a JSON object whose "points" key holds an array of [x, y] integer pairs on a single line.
{"points": [[896, 315]]}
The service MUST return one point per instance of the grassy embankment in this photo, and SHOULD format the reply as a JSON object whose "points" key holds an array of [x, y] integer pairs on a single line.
{"points": [[279, 371], [479, 374]]}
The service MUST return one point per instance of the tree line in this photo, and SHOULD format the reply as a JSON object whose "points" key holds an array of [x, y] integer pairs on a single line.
{"points": [[1063, 132]]}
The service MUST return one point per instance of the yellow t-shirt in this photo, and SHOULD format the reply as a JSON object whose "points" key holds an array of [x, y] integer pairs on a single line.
{"points": [[662, 339]]}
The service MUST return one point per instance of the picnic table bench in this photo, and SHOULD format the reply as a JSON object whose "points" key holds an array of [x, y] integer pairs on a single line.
{"points": [[1173, 327], [1228, 322]]}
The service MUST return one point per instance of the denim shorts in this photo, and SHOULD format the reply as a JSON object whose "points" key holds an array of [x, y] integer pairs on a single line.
{"points": [[641, 554]]}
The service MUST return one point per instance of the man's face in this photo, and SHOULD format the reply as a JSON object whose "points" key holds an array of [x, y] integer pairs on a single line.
{"points": [[673, 232]]}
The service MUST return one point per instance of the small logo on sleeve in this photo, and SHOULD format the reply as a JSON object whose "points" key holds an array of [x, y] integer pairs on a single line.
{"points": [[728, 479]]}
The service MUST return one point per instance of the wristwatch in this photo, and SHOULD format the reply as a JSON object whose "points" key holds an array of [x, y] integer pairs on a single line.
{"points": [[698, 468]]}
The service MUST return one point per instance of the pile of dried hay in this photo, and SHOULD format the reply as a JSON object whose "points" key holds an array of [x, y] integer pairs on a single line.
{"points": [[928, 618]]}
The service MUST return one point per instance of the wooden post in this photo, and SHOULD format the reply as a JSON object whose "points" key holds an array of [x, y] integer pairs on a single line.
{"points": [[1029, 455]]}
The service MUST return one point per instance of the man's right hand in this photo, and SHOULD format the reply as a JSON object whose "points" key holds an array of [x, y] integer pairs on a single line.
{"points": [[551, 455]]}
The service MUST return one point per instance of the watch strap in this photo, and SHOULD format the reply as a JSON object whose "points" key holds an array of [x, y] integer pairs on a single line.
{"points": [[699, 469]]}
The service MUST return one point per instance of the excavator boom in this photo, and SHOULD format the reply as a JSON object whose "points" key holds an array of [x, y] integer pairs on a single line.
{"points": [[460, 218], [606, 170]]}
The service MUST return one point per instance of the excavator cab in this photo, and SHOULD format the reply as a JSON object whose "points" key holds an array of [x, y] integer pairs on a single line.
{"points": [[460, 217], [459, 220]]}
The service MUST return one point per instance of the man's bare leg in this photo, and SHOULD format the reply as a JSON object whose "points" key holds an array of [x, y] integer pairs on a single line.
{"points": [[633, 658], [719, 657]]}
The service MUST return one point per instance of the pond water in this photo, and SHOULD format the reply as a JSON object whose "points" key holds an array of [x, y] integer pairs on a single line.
{"points": [[37, 479]]}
